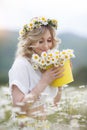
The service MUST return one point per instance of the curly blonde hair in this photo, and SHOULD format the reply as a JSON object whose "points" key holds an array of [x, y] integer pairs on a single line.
{"points": [[25, 43]]}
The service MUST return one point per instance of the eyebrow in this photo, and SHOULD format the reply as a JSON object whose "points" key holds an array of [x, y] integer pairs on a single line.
{"points": [[48, 38]]}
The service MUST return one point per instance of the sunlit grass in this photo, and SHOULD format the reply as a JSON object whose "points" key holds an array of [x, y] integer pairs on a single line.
{"points": [[69, 114]]}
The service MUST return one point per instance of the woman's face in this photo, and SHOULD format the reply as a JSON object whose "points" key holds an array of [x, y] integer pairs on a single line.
{"points": [[44, 43]]}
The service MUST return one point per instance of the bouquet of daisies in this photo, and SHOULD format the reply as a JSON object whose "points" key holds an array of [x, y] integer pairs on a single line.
{"points": [[55, 58], [52, 57]]}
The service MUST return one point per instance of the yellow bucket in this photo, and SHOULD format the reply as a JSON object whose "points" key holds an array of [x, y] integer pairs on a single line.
{"points": [[67, 78]]}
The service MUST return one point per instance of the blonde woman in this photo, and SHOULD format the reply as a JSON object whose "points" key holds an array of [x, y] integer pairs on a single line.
{"points": [[27, 84]]}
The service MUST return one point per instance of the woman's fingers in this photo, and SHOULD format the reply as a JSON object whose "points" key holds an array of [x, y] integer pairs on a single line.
{"points": [[53, 73], [57, 70], [59, 75]]}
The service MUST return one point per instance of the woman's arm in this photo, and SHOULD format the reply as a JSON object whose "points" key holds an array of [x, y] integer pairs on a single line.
{"points": [[58, 96], [18, 97], [47, 77]]}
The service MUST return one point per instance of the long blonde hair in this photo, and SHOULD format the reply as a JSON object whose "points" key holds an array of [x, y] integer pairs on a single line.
{"points": [[24, 46]]}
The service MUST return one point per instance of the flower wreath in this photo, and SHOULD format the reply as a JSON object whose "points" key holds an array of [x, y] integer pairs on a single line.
{"points": [[37, 22]]}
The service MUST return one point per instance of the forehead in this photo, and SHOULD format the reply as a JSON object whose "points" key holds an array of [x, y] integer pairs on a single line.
{"points": [[46, 34]]}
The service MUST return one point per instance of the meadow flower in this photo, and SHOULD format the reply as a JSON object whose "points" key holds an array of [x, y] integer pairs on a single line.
{"points": [[72, 109], [50, 54], [21, 32], [82, 86], [48, 58], [35, 66], [53, 60], [16, 109], [44, 54], [42, 62], [35, 58], [74, 123], [56, 64], [42, 19], [56, 54], [61, 63], [31, 25]]}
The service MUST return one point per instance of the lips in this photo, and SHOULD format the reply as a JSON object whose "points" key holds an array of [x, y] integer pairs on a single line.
{"points": [[44, 50]]}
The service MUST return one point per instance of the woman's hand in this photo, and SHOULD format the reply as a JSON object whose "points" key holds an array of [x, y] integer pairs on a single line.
{"points": [[47, 77], [52, 74]]}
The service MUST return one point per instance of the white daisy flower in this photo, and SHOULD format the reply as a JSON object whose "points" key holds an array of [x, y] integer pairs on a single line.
{"points": [[67, 56], [48, 62], [35, 66], [43, 67], [56, 56], [35, 58], [50, 54], [69, 51], [44, 55], [43, 19], [61, 55], [56, 52], [48, 58], [53, 60], [31, 25], [56, 64], [42, 62], [64, 52], [21, 32], [72, 55], [61, 63]]}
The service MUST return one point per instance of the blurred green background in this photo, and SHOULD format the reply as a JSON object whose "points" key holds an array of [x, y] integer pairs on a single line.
{"points": [[8, 45]]}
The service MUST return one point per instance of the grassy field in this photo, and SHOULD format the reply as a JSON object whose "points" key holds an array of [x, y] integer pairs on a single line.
{"points": [[70, 113]]}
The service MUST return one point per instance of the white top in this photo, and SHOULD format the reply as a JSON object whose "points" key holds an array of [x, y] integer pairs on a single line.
{"points": [[25, 77]]}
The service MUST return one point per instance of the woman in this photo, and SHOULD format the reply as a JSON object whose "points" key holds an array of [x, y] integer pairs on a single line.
{"points": [[26, 83]]}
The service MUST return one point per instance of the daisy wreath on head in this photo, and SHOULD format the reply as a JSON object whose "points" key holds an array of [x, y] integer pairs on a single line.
{"points": [[37, 22]]}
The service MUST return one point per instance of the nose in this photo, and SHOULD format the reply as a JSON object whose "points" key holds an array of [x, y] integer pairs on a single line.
{"points": [[46, 46]]}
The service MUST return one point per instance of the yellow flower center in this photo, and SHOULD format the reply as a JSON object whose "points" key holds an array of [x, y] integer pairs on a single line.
{"points": [[66, 56], [30, 24], [36, 57]]}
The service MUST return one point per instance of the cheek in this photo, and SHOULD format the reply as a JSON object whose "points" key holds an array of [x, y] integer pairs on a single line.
{"points": [[38, 50], [51, 45]]}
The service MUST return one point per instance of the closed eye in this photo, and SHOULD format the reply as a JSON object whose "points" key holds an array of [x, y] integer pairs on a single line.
{"points": [[40, 42], [49, 40]]}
